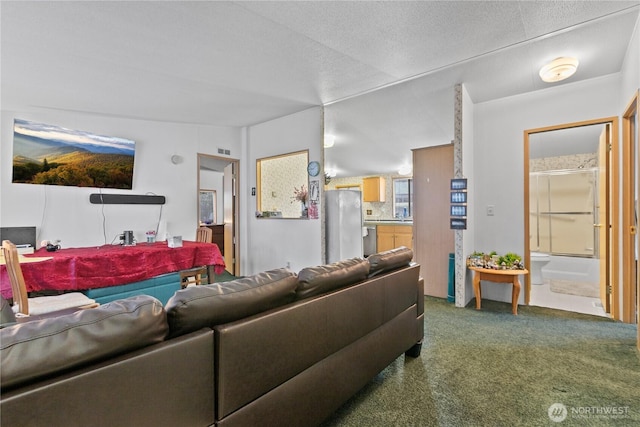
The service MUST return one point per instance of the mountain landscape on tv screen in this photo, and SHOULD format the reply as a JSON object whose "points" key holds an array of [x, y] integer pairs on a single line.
{"points": [[52, 155]]}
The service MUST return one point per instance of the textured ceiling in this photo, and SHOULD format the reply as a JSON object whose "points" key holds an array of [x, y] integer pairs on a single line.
{"points": [[242, 63]]}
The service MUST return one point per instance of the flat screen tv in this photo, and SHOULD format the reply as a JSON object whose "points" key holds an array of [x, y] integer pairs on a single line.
{"points": [[53, 155]]}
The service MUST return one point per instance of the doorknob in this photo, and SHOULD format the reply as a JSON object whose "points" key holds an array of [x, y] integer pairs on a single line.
{"points": [[597, 225]]}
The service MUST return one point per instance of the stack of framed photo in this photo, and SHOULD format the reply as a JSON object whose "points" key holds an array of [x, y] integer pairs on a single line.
{"points": [[458, 211]]}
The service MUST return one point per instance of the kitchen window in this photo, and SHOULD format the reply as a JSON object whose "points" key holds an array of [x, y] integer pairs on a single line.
{"points": [[403, 197]]}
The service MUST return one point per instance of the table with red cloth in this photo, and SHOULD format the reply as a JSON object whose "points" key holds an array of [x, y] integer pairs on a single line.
{"points": [[75, 269]]}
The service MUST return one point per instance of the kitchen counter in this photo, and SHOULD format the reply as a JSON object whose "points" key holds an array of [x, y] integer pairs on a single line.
{"points": [[387, 222]]}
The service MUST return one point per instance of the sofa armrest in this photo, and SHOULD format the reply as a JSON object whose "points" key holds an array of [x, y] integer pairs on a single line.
{"points": [[167, 384], [38, 349]]}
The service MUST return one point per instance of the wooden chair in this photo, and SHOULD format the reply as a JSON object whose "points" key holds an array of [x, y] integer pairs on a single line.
{"points": [[39, 306], [198, 275], [204, 234], [194, 277]]}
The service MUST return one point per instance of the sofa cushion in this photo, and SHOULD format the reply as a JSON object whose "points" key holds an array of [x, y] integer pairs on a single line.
{"points": [[40, 348], [325, 278], [389, 260], [208, 305]]}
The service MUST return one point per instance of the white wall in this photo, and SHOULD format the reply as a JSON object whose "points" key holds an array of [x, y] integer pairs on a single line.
{"points": [[274, 243], [631, 69], [468, 171], [65, 212], [499, 156]]}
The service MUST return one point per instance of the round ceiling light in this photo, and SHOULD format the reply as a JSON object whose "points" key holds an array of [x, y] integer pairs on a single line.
{"points": [[329, 140], [405, 170], [559, 69]]}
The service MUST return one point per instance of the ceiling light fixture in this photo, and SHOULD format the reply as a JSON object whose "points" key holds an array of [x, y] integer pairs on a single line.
{"points": [[405, 170], [329, 140], [559, 69]]}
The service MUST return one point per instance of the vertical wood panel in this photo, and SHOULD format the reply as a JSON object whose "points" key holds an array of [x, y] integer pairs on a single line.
{"points": [[433, 239]]}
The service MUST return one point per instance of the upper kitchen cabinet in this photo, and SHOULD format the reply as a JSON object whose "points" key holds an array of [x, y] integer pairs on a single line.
{"points": [[373, 189]]}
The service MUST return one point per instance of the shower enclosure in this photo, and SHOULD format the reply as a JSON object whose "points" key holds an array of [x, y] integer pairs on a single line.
{"points": [[563, 211]]}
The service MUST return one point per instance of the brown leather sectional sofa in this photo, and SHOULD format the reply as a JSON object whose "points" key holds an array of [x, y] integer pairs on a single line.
{"points": [[273, 349]]}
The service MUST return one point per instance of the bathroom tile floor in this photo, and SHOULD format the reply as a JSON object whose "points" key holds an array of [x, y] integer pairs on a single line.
{"points": [[542, 296]]}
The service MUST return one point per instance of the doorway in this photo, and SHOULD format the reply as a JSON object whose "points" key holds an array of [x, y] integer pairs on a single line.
{"points": [[218, 184], [571, 216]]}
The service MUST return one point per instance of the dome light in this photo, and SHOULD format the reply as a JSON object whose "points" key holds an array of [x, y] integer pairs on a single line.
{"points": [[405, 170], [559, 69], [329, 140]]}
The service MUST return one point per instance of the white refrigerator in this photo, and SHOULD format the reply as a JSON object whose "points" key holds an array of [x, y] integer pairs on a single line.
{"points": [[343, 224]]}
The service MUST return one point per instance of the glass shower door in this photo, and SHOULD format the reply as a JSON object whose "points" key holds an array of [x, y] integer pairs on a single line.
{"points": [[566, 212]]}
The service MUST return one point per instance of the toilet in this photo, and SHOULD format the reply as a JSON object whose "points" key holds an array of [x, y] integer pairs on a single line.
{"points": [[538, 260]]}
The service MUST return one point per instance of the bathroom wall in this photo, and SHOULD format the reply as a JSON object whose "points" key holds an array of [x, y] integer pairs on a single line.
{"points": [[573, 161]]}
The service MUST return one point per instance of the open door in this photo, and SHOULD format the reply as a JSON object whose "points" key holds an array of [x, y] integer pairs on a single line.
{"points": [[219, 174], [230, 209], [605, 219], [603, 216]]}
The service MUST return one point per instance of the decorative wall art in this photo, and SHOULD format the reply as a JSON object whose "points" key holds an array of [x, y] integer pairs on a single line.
{"points": [[314, 197], [458, 212], [53, 155]]}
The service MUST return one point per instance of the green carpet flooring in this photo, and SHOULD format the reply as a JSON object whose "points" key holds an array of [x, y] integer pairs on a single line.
{"points": [[490, 368]]}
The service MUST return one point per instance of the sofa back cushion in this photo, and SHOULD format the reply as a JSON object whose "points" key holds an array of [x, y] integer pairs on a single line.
{"points": [[325, 278], [41, 348], [208, 305], [389, 260], [309, 337]]}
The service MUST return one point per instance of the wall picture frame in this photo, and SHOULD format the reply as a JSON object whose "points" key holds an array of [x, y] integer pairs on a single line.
{"points": [[459, 184], [458, 224], [458, 210], [458, 197]]}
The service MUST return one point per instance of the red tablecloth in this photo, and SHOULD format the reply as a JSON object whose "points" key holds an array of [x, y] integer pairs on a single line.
{"points": [[99, 267]]}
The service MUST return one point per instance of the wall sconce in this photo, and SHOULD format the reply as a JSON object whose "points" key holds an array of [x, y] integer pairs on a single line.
{"points": [[559, 69], [329, 140]]}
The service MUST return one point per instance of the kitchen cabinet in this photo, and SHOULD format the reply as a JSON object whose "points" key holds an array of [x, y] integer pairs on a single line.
{"points": [[393, 236], [373, 189], [404, 236]]}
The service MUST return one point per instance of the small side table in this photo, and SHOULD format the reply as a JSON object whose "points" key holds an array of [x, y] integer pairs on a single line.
{"points": [[498, 276]]}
